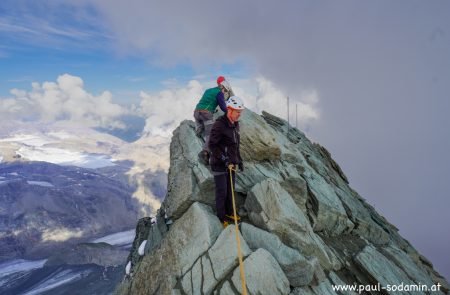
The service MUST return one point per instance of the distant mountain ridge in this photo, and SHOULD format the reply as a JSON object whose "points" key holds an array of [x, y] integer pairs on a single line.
{"points": [[43, 205]]}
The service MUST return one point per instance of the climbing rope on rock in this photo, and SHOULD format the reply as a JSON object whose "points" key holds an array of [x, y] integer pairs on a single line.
{"points": [[231, 168]]}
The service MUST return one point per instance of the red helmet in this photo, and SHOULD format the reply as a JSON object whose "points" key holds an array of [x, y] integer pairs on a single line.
{"points": [[220, 79]]}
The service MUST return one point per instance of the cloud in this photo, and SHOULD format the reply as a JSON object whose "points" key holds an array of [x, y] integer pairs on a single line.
{"points": [[60, 234], [65, 99], [272, 99], [166, 109], [52, 24]]}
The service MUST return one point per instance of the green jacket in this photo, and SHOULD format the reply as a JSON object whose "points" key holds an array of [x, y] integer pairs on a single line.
{"points": [[209, 100]]}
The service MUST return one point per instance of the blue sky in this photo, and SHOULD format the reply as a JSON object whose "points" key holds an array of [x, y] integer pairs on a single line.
{"points": [[373, 78]]}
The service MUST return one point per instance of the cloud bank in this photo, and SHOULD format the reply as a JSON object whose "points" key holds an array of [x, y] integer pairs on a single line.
{"points": [[165, 109], [63, 100]]}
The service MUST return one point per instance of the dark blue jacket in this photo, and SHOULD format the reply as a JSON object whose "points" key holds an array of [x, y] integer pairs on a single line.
{"points": [[224, 141]]}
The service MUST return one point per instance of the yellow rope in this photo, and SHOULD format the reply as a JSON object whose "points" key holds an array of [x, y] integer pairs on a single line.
{"points": [[241, 265]]}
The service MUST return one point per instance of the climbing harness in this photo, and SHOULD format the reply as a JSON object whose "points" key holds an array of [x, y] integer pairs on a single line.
{"points": [[231, 168]]}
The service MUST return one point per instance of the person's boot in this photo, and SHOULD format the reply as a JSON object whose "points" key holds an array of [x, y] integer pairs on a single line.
{"points": [[225, 224], [231, 217]]}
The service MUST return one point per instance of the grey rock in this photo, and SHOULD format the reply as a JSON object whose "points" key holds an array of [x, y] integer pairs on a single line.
{"points": [[209, 279], [142, 229], [263, 275], [189, 181], [330, 213], [224, 256], [379, 267], [272, 208], [297, 268], [154, 238], [257, 139], [226, 289], [197, 278], [161, 222], [406, 263], [336, 281], [186, 283], [298, 189], [188, 238], [212, 267]]}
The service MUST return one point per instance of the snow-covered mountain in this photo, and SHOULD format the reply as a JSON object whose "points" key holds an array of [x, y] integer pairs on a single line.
{"points": [[63, 276], [61, 185], [68, 145], [43, 206]]}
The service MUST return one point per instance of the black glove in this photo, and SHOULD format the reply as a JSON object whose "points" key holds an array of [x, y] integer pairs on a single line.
{"points": [[241, 166], [224, 159]]}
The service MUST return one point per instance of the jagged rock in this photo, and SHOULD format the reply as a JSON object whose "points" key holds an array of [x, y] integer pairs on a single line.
{"points": [[189, 181], [330, 213], [142, 229], [186, 283], [336, 281], [263, 275], [297, 268], [327, 159], [153, 239], [379, 267], [209, 277], [161, 222], [189, 237], [309, 229], [272, 208], [257, 139], [211, 268], [197, 278], [227, 289], [405, 262], [223, 253], [298, 189]]}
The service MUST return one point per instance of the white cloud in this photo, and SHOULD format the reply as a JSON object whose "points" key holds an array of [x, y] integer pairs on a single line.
{"points": [[261, 94], [166, 109], [65, 99], [60, 234]]}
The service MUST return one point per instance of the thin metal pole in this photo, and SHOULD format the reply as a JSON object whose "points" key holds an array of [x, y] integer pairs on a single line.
{"points": [[296, 115], [288, 114]]}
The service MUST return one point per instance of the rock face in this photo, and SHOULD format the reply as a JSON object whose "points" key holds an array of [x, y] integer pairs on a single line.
{"points": [[306, 230]]}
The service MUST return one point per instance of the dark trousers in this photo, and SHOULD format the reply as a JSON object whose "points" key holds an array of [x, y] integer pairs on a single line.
{"points": [[224, 201], [203, 125]]}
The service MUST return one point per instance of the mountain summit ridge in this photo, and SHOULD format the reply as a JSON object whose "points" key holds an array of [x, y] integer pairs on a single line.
{"points": [[304, 229]]}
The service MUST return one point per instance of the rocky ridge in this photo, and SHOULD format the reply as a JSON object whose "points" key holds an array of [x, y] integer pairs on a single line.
{"points": [[304, 228]]}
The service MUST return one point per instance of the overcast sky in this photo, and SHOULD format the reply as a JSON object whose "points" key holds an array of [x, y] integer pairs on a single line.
{"points": [[372, 80]]}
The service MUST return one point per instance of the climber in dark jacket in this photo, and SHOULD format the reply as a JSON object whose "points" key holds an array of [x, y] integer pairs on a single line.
{"points": [[203, 113], [224, 142]]}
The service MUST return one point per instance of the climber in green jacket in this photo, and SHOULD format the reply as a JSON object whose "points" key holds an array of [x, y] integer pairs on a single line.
{"points": [[203, 113]]}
